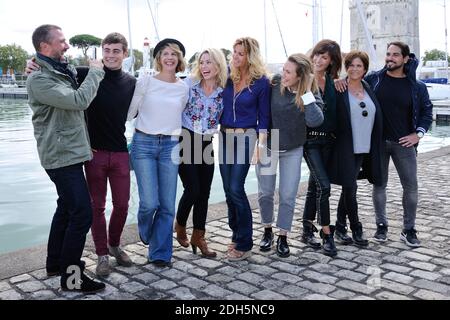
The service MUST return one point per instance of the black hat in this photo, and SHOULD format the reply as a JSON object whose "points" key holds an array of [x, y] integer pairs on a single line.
{"points": [[165, 42]]}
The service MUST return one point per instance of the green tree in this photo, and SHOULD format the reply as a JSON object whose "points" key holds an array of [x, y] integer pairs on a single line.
{"points": [[434, 55], [12, 57], [192, 59], [84, 42], [138, 59], [227, 54]]}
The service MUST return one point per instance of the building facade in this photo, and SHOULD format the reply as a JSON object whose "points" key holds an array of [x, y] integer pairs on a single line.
{"points": [[387, 21]]}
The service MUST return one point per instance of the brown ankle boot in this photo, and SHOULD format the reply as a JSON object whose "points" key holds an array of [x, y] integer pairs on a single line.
{"points": [[198, 240], [181, 235]]}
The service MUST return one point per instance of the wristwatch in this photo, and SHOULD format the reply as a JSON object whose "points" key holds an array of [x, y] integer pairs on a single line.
{"points": [[420, 134]]}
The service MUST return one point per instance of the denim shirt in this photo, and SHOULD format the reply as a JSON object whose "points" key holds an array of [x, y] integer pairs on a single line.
{"points": [[202, 112], [249, 108]]}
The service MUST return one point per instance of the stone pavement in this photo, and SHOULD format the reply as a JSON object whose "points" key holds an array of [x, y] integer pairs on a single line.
{"points": [[387, 271]]}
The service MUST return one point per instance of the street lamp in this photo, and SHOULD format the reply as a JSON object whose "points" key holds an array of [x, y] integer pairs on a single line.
{"points": [[10, 67]]}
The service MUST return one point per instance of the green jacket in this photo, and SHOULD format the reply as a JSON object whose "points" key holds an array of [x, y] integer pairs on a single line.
{"points": [[58, 118]]}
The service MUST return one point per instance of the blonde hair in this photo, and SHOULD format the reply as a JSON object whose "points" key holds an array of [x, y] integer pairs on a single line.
{"points": [[218, 59], [181, 62], [255, 64], [304, 70]]}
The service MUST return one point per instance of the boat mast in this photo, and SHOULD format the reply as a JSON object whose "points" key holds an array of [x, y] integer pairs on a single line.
{"points": [[129, 36], [342, 22], [446, 53], [155, 23], [265, 31], [315, 18], [279, 29]]}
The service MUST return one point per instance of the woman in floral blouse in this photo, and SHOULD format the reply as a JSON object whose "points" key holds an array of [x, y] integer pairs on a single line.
{"points": [[200, 121]]}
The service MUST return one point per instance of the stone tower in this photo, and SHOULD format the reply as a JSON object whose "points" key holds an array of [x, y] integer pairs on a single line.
{"points": [[387, 21]]}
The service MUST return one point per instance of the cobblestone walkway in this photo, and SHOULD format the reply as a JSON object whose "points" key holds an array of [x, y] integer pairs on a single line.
{"points": [[387, 271]]}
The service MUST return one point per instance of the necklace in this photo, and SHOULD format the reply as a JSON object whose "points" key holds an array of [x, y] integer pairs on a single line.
{"points": [[359, 92], [235, 96]]}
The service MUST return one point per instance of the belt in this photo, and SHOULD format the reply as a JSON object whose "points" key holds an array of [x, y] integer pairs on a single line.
{"points": [[320, 134], [153, 135], [233, 130]]}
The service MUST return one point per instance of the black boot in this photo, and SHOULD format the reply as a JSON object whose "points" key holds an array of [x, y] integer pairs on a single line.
{"points": [[358, 236], [308, 235], [341, 234], [83, 284], [328, 246], [282, 247], [267, 240]]}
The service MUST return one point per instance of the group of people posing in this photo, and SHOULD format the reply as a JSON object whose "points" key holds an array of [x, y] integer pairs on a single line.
{"points": [[346, 129]]}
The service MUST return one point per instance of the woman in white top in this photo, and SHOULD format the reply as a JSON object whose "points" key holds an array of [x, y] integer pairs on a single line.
{"points": [[158, 102]]}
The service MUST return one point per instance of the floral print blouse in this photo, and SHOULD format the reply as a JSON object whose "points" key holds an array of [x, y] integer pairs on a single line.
{"points": [[202, 113]]}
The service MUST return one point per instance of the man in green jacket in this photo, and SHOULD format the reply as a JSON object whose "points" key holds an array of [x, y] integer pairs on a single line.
{"points": [[63, 146]]}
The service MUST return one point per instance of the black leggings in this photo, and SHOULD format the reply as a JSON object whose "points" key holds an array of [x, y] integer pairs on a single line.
{"points": [[317, 153], [348, 206], [197, 179]]}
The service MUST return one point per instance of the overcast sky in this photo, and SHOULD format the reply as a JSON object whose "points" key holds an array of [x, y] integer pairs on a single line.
{"points": [[200, 23]]}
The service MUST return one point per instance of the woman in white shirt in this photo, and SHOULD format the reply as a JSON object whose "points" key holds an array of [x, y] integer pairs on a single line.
{"points": [[158, 102]]}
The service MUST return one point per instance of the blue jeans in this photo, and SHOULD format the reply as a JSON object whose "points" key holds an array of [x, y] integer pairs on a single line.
{"points": [[405, 161], [72, 219], [317, 152], [235, 156], [155, 160], [290, 173]]}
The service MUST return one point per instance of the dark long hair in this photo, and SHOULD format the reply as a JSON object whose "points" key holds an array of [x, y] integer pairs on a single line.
{"points": [[334, 51]]}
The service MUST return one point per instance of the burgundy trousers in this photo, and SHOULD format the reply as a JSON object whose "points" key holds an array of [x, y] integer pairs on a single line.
{"points": [[115, 167]]}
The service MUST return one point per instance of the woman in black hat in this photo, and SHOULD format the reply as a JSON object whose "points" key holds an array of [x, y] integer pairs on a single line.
{"points": [[158, 103]]}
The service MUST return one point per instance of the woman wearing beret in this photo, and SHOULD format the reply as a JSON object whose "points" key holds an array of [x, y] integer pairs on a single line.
{"points": [[245, 118], [158, 102]]}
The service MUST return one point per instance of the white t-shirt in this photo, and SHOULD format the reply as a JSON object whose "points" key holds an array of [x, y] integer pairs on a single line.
{"points": [[158, 105]]}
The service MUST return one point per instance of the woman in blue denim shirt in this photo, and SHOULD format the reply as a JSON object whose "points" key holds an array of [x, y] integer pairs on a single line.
{"points": [[200, 121], [245, 118]]}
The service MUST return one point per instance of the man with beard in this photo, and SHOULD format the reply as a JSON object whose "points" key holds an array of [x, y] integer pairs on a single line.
{"points": [[407, 115], [63, 146], [106, 117]]}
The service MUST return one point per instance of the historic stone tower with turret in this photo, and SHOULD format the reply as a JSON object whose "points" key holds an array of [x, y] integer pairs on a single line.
{"points": [[387, 21]]}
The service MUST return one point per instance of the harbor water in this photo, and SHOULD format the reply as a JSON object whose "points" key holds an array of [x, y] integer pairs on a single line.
{"points": [[28, 197]]}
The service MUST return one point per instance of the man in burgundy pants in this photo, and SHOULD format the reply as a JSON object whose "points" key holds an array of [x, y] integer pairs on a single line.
{"points": [[106, 117]]}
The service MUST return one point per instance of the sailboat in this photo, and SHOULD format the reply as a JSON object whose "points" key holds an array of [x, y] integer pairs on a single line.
{"points": [[128, 63]]}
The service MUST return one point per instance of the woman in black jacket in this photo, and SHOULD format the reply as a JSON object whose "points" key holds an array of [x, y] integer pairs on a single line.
{"points": [[358, 147], [327, 61]]}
